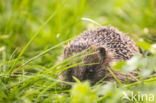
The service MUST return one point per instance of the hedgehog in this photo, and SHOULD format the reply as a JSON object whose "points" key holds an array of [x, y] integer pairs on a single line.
{"points": [[110, 46]]}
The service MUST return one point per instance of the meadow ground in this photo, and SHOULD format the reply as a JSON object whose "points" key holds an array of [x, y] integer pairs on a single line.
{"points": [[34, 32]]}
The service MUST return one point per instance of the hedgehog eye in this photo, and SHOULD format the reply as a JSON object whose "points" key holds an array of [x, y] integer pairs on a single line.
{"points": [[90, 70], [89, 74]]}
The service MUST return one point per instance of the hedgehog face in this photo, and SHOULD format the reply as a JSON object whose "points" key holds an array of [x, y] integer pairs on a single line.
{"points": [[93, 72]]}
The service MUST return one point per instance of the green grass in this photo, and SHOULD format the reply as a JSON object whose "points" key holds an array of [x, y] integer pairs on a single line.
{"points": [[34, 32]]}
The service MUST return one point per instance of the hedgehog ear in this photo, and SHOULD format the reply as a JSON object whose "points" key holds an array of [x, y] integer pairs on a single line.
{"points": [[102, 52]]}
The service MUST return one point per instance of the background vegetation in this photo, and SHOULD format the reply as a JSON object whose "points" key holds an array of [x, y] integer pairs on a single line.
{"points": [[32, 36]]}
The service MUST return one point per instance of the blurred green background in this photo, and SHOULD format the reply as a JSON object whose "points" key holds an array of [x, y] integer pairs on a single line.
{"points": [[38, 25], [21, 19]]}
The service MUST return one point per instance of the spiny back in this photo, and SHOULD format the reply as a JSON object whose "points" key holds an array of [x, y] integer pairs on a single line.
{"points": [[121, 46]]}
